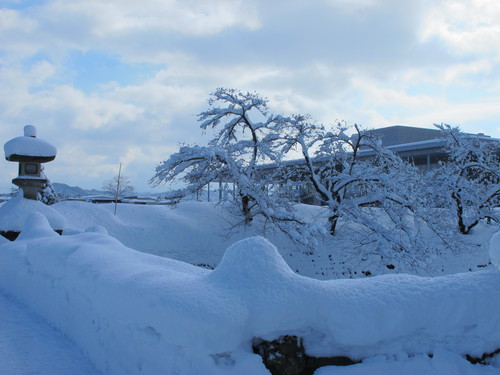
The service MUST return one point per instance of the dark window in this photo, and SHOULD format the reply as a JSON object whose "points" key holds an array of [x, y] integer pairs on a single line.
{"points": [[31, 168]]}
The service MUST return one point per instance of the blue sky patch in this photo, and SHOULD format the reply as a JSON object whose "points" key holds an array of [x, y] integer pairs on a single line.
{"points": [[91, 69], [21, 4]]}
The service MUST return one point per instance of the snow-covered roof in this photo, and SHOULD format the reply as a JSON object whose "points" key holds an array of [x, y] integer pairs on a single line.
{"points": [[29, 145], [100, 198], [429, 144]]}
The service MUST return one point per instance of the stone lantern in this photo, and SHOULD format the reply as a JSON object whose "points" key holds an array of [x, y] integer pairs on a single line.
{"points": [[30, 152]]}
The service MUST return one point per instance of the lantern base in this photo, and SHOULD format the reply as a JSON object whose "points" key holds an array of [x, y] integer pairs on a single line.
{"points": [[31, 187]]}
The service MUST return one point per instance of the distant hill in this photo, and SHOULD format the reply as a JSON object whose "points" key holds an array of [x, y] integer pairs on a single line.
{"points": [[74, 191]]}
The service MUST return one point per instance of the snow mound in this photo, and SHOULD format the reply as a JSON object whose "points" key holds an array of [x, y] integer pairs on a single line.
{"points": [[36, 226], [249, 259], [15, 212], [495, 249], [140, 314]]}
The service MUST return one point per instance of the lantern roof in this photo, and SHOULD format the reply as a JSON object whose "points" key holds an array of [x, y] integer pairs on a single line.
{"points": [[29, 148]]}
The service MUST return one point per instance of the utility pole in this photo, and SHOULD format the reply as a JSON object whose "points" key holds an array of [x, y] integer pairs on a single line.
{"points": [[118, 186]]}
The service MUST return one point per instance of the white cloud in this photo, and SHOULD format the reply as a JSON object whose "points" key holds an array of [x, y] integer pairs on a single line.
{"points": [[81, 162], [466, 26], [9, 19], [189, 17], [16, 31], [372, 62], [390, 106], [462, 72], [40, 72], [126, 27], [108, 19], [90, 111], [477, 73]]}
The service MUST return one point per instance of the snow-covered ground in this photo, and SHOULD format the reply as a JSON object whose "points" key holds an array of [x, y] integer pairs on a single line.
{"points": [[131, 312], [199, 233], [28, 345]]}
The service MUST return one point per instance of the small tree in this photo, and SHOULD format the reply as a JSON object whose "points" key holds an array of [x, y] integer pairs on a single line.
{"points": [[118, 185], [48, 194], [469, 180]]}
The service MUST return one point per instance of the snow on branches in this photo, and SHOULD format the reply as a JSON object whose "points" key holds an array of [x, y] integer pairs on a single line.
{"points": [[469, 180], [358, 181], [362, 185], [244, 135]]}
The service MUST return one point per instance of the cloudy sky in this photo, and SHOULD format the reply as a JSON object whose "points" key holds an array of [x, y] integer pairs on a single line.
{"points": [[123, 80]]}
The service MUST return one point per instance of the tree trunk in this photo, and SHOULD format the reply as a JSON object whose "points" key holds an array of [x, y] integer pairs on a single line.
{"points": [[333, 223], [335, 216], [464, 229], [245, 208]]}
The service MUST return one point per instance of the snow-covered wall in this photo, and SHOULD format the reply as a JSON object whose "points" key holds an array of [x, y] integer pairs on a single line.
{"points": [[136, 313]]}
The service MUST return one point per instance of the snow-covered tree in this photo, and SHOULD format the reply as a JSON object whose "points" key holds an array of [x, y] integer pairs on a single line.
{"points": [[48, 194], [241, 123], [243, 139], [353, 176], [468, 181], [347, 172], [362, 183]]}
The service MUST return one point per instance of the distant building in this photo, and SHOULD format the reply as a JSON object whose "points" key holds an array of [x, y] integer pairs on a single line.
{"points": [[422, 147], [399, 134], [101, 199]]}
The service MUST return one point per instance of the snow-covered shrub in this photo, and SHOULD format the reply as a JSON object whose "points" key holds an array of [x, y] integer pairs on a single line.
{"points": [[48, 195]]}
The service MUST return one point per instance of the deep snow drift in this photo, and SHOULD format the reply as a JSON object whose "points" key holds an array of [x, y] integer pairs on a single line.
{"points": [[15, 212], [199, 232], [28, 345], [136, 313]]}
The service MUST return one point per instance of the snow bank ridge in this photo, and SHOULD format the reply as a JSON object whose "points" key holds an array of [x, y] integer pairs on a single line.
{"points": [[15, 212], [135, 313]]}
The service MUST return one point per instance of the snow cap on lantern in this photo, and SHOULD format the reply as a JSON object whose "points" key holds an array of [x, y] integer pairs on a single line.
{"points": [[29, 147]]}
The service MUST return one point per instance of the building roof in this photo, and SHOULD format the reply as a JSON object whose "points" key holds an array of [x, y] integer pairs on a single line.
{"points": [[406, 141], [398, 134]]}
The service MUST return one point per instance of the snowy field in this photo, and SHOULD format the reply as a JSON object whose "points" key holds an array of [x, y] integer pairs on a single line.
{"points": [[119, 306], [199, 232], [28, 345]]}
